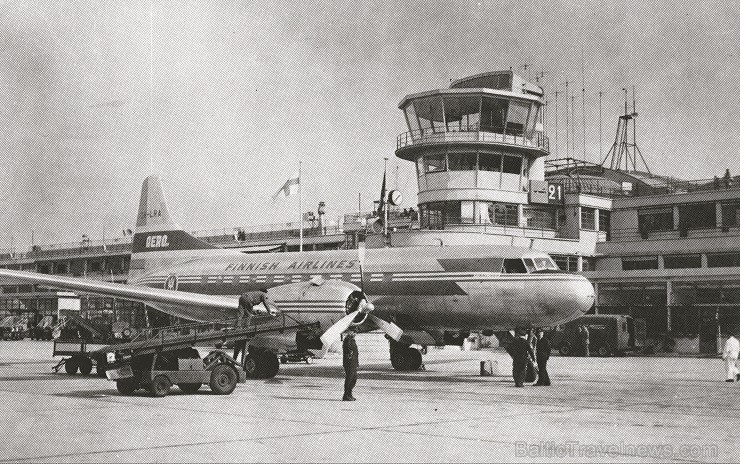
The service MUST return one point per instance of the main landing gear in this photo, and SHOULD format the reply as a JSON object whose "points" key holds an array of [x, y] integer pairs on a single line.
{"points": [[403, 357], [261, 364]]}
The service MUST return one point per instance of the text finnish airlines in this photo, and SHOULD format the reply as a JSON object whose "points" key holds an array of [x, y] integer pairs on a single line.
{"points": [[269, 266]]}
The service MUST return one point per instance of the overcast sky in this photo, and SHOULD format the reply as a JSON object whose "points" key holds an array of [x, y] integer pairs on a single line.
{"points": [[227, 97]]}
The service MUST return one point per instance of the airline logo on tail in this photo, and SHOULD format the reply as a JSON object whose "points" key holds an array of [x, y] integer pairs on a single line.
{"points": [[157, 241]]}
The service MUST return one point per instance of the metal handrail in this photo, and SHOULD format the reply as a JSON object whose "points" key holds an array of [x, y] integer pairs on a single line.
{"points": [[508, 136], [635, 233]]}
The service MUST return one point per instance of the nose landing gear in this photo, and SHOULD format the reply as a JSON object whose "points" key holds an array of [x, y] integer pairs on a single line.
{"points": [[403, 357]]}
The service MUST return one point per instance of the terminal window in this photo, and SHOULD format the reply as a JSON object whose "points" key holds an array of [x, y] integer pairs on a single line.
{"points": [[731, 214], [641, 262], [588, 218], [681, 261], [697, 216], [723, 259], [505, 214], [540, 217], [655, 219]]}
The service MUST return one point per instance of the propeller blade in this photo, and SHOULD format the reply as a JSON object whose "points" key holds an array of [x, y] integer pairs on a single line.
{"points": [[332, 333], [390, 328]]}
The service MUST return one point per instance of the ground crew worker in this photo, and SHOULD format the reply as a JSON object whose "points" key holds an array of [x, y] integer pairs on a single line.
{"points": [[585, 341], [351, 362], [730, 354], [247, 302], [543, 354], [520, 351]]}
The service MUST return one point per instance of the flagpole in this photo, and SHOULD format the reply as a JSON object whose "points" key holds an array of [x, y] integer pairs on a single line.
{"points": [[300, 208], [385, 205]]}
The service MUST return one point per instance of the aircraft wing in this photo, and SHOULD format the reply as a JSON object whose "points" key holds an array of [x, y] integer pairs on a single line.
{"points": [[152, 296]]}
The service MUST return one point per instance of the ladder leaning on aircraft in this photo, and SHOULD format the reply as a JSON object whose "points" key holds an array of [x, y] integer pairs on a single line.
{"points": [[416, 295]]}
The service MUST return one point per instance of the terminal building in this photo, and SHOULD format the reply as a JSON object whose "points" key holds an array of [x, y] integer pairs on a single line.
{"points": [[655, 247]]}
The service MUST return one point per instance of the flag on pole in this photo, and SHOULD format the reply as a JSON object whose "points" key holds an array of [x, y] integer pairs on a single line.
{"points": [[290, 187]]}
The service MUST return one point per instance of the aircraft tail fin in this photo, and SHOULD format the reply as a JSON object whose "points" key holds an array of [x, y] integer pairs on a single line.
{"points": [[157, 236]]}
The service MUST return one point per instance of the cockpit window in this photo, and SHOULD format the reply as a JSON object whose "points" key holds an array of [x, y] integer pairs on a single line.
{"points": [[529, 264], [545, 263], [514, 266]]}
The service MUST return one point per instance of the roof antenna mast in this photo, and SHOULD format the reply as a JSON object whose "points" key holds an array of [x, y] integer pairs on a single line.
{"points": [[624, 151]]}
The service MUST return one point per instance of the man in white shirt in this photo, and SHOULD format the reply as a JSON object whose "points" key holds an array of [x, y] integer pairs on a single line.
{"points": [[732, 349]]}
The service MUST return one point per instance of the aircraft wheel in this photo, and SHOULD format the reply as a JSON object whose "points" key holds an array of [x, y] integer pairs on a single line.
{"points": [[223, 380], [85, 365], [269, 364], [565, 349], [126, 386], [604, 350], [100, 368], [404, 358], [309, 359], [160, 386], [189, 387], [71, 366]]}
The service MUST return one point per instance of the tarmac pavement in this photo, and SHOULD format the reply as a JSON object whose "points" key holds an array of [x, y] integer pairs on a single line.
{"points": [[599, 409]]}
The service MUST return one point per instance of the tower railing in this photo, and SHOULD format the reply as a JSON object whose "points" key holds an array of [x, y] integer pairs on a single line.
{"points": [[472, 133]]}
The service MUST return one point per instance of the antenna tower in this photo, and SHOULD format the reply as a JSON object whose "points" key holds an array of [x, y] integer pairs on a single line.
{"points": [[624, 153]]}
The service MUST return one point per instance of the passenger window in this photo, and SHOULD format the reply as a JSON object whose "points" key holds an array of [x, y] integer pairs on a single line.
{"points": [[514, 266]]}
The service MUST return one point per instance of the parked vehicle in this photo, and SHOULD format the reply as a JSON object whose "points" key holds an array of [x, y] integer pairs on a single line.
{"points": [[43, 330], [13, 328], [609, 334]]}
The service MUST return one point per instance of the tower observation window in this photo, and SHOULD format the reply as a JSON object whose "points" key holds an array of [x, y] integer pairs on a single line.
{"points": [[489, 162], [435, 163], [462, 161], [512, 164], [462, 113]]}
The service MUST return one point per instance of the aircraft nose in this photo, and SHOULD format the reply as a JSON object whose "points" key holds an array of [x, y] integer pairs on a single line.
{"points": [[584, 294]]}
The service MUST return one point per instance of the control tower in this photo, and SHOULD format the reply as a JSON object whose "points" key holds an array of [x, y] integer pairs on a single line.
{"points": [[479, 148]]}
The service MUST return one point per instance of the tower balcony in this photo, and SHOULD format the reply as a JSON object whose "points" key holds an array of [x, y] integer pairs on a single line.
{"points": [[408, 142]]}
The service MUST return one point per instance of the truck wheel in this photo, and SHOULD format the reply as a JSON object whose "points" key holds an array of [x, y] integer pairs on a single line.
{"points": [[189, 387], [160, 386], [85, 365], [126, 386], [70, 366], [604, 351], [223, 380], [251, 365], [565, 349]]}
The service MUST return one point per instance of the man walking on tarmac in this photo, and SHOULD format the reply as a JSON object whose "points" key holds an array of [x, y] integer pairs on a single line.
{"points": [[247, 302], [520, 351], [543, 354], [351, 362], [730, 354]]}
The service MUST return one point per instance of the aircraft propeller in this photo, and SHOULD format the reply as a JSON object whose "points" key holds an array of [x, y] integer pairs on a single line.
{"points": [[332, 333]]}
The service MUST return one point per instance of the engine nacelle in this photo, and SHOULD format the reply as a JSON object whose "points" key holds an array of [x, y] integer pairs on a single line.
{"points": [[339, 295]]}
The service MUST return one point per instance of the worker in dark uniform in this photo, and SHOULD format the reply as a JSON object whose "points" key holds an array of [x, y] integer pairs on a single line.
{"points": [[543, 354], [351, 362], [521, 352], [585, 342], [247, 302]]}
